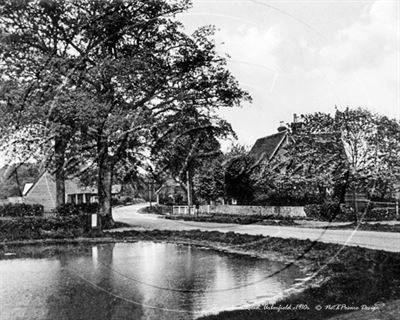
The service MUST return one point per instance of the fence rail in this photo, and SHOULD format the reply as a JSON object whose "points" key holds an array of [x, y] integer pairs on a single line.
{"points": [[183, 210]]}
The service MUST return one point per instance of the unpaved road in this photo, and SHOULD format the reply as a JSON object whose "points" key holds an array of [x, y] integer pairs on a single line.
{"points": [[388, 241]]}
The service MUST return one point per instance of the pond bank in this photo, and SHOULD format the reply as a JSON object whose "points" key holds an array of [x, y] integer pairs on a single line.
{"points": [[349, 276]]}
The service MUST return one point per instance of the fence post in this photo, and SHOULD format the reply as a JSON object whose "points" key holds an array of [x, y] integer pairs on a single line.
{"points": [[397, 208]]}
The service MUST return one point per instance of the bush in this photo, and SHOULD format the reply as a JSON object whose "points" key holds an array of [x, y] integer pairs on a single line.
{"points": [[378, 214], [277, 199], [72, 209], [21, 210], [313, 210], [327, 211], [41, 228]]}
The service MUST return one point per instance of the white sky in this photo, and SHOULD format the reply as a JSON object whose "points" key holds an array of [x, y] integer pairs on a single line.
{"points": [[305, 56]]}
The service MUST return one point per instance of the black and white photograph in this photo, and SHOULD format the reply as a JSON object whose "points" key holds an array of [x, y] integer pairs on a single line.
{"points": [[199, 159]]}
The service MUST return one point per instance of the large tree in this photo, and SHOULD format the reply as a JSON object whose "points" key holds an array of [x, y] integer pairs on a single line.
{"points": [[130, 60], [187, 146]]}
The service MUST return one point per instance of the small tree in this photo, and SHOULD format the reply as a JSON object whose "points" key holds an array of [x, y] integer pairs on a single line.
{"points": [[239, 167]]}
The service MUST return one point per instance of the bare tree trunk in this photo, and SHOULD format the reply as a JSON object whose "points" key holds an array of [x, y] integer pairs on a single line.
{"points": [[104, 183], [59, 155]]}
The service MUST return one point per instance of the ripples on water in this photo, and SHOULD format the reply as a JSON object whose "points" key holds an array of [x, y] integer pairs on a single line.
{"points": [[142, 280]]}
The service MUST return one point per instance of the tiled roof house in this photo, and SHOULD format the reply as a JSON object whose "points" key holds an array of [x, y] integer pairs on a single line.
{"points": [[267, 147]]}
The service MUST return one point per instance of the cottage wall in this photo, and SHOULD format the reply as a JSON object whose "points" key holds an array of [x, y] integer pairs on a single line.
{"points": [[43, 192]]}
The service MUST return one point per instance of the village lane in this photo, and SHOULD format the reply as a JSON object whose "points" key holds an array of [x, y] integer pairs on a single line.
{"points": [[388, 241]]}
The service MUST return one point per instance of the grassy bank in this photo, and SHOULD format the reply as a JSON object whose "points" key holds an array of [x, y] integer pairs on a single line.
{"points": [[348, 276], [29, 228], [237, 219], [365, 226]]}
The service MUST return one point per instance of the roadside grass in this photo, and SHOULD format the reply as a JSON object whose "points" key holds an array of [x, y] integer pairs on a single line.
{"points": [[365, 226]]}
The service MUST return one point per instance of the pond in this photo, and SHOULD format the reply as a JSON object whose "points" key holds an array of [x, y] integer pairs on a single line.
{"points": [[140, 280]]}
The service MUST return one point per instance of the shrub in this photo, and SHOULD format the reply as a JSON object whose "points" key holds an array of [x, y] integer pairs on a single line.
{"points": [[312, 210], [21, 210], [40, 227], [72, 209], [378, 214], [328, 211], [284, 199]]}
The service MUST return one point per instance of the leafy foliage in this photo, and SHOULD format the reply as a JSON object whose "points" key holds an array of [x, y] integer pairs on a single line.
{"points": [[14, 177], [21, 210], [326, 156], [105, 79], [70, 209]]}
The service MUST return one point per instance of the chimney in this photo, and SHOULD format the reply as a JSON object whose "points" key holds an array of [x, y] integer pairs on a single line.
{"points": [[297, 124]]}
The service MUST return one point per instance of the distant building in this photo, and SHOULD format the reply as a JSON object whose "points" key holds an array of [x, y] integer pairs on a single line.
{"points": [[43, 192], [171, 192]]}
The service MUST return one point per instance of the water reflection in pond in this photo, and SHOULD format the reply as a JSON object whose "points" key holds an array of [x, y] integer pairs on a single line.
{"points": [[142, 280]]}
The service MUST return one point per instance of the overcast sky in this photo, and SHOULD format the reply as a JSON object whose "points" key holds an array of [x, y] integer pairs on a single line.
{"points": [[305, 56]]}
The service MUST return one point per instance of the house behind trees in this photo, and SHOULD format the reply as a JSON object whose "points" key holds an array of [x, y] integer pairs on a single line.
{"points": [[43, 191]]}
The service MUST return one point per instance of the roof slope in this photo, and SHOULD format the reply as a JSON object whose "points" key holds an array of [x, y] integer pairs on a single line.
{"points": [[267, 146]]}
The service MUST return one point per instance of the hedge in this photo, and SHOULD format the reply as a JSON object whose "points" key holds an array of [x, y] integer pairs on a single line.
{"points": [[380, 214], [328, 211], [72, 209], [21, 210], [42, 228]]}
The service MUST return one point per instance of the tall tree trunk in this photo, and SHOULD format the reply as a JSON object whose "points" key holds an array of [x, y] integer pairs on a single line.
{"points": [[189, 190], [59, 155], [17, 181], [104, 183], [342, 193]]}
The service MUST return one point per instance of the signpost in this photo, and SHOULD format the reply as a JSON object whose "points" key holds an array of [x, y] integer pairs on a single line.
{"points": [[95, 222]]}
